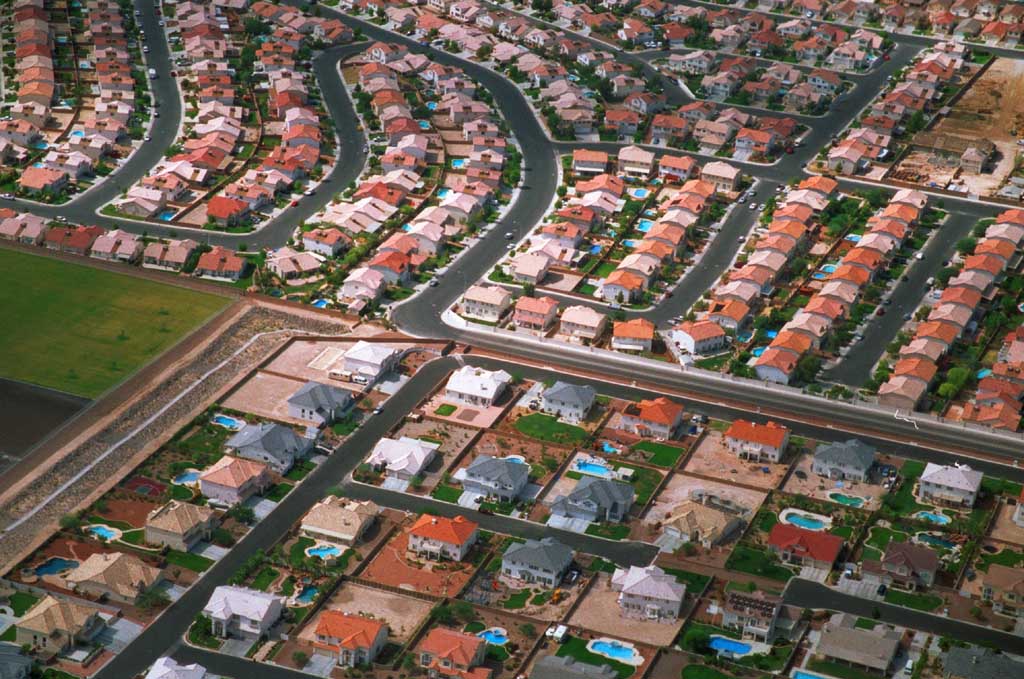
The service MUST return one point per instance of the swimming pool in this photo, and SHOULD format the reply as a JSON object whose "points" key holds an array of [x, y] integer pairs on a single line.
{"points": [[55, 565], [104, 532], [644, 225], [629, 244], [940, 519], [771, 334], [323, 551], [935, 541], [186, 477], [829, 268], [805, 520], [818, 276], [227, 422], [166, 215], [853, 238], [609, 448], [424, 125], [516, 458], [984, 372], [650, 213], [320, 303], [78, 133], [848, 500], [458, 163], [496, 636], [616, 650], [800, 674], [432, 105], [307, 595], [727, 646], [596, 249], [757, 351], [592, 468], [443, 192], [639, 193]]}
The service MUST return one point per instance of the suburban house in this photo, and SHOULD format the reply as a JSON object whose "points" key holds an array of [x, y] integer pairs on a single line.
{"points": [[565, 667], [657, 418], [168, 668], [232, 480], [544, 562], [568, 402], [582, 324], [850, 460], [753, 615], [757, 442], [905, 564], [54, 626], [699, 523], [500, 478], [648, 593], [114, 576], [273, 444], [402, 458], [953, 485], [318, 403], [371, 359], [450, 654], [971, 662], [242, 612], [349, 640], [595, 499], [440, 538], [179, 525], [871, 649], [486, 302], [802, 547], [1004, 587], [339, 521], [633, 335], [476, 386], [698, 337]]}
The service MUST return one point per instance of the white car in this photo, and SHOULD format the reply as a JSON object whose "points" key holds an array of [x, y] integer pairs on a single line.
{"points": [[308, 192], [147, 138]]}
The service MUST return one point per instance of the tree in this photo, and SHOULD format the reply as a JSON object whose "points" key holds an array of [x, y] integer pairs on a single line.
{"points": [[70, 522], [242, 514], [300, 658], [916, 123], [807, 368], [463, 611], [153, 598], [697, 641]]}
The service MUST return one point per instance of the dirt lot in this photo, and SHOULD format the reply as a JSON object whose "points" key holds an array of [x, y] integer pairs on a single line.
{"points": [[993, 108], [402, 613], [452, 437], [1003, 528], [713, 459], [391, 567], [494, 590], [599, 611], [819, 487], [683, 487], [266, 395], [129, 511], [481, 418], [311, 360]]}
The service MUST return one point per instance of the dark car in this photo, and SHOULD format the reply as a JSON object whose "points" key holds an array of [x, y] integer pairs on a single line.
{"points": [[881, 590]]}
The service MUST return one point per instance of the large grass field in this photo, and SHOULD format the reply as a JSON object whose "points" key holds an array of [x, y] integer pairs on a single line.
{"points": [[82, 330]]}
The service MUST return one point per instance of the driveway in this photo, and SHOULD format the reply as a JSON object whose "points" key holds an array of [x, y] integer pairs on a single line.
{"points": [[173, 592], [395, 484], [565, 523], [119, 634], [210, 551], [261, 506], [470, 500], [237, 647], [320, 665]]}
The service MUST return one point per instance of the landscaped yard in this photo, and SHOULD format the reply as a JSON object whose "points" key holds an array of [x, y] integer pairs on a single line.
{"points": [[703, 672], [264, 578], [548, 428], [838, 670], [193, 562], [746, 559], [82, 330], [517, 600], [662, 455], [644, 481], [20, 602], [446, 493], [277, 493], [1005, 556], [921, 602], [694, 582], [576, 648], [903, 501], [445, 409], [611, 531]]}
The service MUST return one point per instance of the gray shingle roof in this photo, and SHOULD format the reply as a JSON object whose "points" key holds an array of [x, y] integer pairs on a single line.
{"points": [[275, 439], [12, 661], [548, 554], [602, 492], [555, 667], [320, 397], [853, 453], [571, 393], [980, 663], [498, 470]]}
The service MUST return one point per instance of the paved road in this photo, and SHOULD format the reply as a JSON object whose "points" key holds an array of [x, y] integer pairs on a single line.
{"points": [[176, 619], [856, 367], [809, 594]]}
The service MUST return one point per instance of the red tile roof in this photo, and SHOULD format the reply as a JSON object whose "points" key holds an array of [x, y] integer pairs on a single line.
{"points": [[452, 531], [816, 545]]}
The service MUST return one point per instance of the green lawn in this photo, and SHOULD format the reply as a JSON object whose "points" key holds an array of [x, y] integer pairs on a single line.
{"points": [[845, 532], [297, 554], [866, 623], [517, 600], [838, 670], [694, 582], [10, 634], [662, 455], [193, 562], [921, 602], [903, 501], [300, 470], [446, 493], [644, 482], [747, 559], [134, 537], [445, 409], [703, 672], [548, 428], [82, 330], [576, 648], [1005, 556], [611, 531], [264, 578], [277, 493], [21, 602], [880, 537]]}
